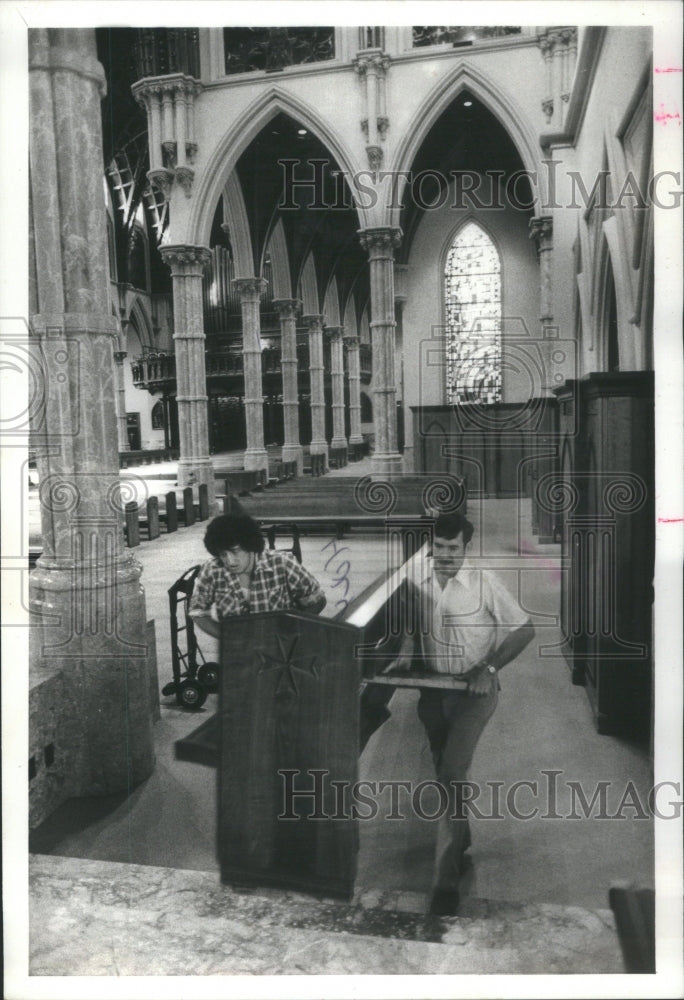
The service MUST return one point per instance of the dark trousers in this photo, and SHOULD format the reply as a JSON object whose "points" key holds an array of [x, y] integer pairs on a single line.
{"points": [[454, 722]]}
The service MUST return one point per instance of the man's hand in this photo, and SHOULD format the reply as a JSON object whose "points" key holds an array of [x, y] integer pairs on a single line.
{"points": [[481, 681]]}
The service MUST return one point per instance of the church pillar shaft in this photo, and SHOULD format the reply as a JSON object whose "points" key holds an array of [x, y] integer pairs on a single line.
{"points": [[87, 606], [287, 311], [319, 445], [380, 244], [335, 333], [354, 369], [250, 291], [187, 265]]}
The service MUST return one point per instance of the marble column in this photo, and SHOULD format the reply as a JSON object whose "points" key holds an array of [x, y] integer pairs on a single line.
{"points": [[354, 370], [335, 335], [318, 445], [287, 312], [88, 619], [380, 243], [250, 291], [121, 423], [187, 264]]}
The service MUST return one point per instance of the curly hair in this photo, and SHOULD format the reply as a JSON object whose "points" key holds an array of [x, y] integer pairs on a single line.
{"points": [[229, 530], [451, 525]]}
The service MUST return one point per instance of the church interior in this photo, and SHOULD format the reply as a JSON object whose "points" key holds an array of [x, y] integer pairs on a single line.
{"points": [[343, 279]]}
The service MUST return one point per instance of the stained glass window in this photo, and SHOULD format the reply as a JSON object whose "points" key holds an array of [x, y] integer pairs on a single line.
{"points": [[472, 283]]}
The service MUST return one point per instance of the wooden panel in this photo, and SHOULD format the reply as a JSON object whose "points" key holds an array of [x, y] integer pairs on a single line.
{"points": [[288, 701]]}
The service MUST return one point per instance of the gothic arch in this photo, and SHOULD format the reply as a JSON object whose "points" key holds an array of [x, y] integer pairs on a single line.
{"points": [[510, 115], [238, 137], [308, 287], [138, 315], [610, 268], [235, 216], [276, 246], [331, 304]]}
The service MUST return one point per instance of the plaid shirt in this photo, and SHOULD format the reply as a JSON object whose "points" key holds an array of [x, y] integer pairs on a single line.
{"points": [[279, 582]]}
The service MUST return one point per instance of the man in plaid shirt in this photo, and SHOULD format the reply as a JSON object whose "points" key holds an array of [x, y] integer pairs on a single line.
{"points": [[244, 577]]}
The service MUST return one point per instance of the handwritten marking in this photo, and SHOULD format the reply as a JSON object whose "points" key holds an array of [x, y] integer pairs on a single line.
{"points": [[665, 116], [339, 574], [668, 69], [670, 520]]}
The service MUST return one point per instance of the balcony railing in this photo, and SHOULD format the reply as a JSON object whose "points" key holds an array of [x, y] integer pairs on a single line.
{"points": [[163, 51], [158, 371], [153, 371], [272, 49], [450, 35], [224, 364]]}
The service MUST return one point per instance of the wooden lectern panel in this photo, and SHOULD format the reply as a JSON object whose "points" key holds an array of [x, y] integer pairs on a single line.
{"points": [[288, 706]]}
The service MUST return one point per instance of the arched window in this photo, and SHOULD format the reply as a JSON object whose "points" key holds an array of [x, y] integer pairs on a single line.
{"points": [[472, 288]]}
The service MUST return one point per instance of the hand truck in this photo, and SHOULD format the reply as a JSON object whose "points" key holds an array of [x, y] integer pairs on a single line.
{"points": [[194, 677]]}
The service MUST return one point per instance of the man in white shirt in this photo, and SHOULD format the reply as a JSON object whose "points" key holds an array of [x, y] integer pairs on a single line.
{"points": [[470, 626]]}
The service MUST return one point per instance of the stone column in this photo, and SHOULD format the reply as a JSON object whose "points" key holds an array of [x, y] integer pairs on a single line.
{"points": [[335, 335], [380, 243], [354, 369], [541, 231], [88, 620], [187, 265], [287, 312], [120, 358], [318, 445], [250, 291]]}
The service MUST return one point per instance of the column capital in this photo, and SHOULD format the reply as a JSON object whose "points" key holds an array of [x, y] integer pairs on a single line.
{"points": [[373, 60], [185, 258], [249, 289], [541, 231], [120, 357], [287, 308], [334, 332], [351, 343], [314, 321], [380, 241]]}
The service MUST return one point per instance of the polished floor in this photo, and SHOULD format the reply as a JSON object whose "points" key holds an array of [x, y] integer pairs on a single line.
{"points": [[538, 757]]}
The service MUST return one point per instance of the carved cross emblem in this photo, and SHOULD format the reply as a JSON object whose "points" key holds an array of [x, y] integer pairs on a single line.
{"points": [[288, 665]]}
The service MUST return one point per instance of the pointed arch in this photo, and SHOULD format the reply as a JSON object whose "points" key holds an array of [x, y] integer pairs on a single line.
{"points": [[276, 247], [349, 322], [308, 286], [142, 322], [507, 111], [331, 304], [235, 216], [609, 271], [237, 138]]}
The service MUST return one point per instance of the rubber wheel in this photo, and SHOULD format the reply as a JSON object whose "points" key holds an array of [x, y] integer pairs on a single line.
{"points": [[191, 694], [208, 675]]}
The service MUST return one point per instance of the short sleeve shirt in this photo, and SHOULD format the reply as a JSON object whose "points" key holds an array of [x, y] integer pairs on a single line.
{"points": [[466, 621], [278, 583]]}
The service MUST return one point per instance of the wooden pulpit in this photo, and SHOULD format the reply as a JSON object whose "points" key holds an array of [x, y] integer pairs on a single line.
{"points": [[288, 757]]}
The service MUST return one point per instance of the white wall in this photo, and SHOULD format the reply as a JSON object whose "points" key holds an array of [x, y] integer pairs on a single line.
{"points": [[424, 313]]}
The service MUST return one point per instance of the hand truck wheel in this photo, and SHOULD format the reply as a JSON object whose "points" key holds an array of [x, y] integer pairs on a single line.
{"points": [[191, 694]]}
